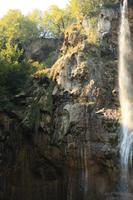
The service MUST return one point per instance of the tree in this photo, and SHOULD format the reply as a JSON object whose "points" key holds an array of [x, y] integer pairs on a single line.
{"points": [[36, 17], [74, 7], [86, 8], [15, 31], [15, 27], [56, 20]]}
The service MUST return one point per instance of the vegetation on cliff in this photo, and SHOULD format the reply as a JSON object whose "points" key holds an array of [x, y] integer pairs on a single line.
{"points": [[18, 31], [58, 108]]}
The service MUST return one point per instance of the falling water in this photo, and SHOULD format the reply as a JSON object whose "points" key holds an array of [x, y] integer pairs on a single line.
{"points": [[126, 87]]}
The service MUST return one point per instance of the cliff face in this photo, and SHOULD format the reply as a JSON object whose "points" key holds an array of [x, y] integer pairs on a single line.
{"points": [[41, 49], [68, 118]]}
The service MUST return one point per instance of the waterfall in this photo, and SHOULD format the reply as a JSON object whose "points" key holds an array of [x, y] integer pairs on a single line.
{"points": [[126, 87]]}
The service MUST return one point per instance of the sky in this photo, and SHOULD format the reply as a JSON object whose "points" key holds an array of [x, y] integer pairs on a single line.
{"points": [[28, 5]]}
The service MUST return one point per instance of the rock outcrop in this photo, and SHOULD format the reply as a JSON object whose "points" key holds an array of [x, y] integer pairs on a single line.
{"points": [[41, 49]]}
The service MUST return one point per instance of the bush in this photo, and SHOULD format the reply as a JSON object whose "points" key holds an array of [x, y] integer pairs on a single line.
{"points": [[13, 76]]}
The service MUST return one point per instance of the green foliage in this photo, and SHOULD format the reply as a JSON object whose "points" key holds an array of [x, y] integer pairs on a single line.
{"points": [[56, 20], [14, 76], [86, 8], [74, 8], [10, 53], [17, 30], [14, 28]]}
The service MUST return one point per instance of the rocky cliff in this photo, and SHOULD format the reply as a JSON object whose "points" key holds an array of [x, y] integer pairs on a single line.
{"points": [[42, 48], [66, 119]]}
